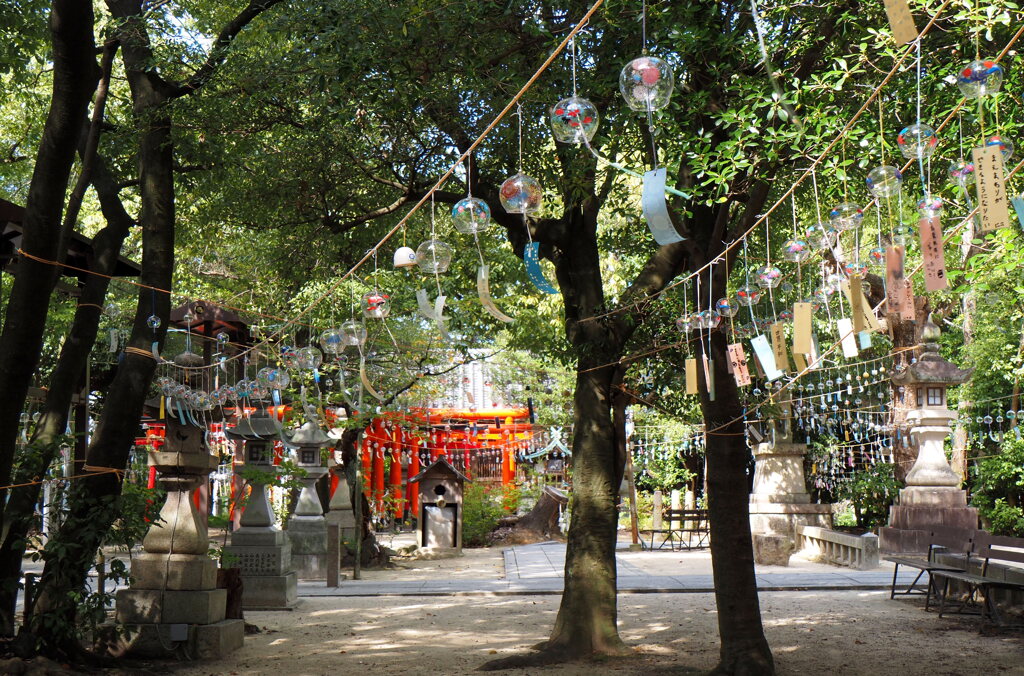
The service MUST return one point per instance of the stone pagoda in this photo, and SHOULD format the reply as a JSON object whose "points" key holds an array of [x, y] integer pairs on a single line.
{"points": [[932, 496], [307, 529], [259, 548]]}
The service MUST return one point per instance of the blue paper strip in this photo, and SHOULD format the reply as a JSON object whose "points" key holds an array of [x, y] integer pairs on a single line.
{"points": [[1018, 206], [865, 340], [533, 270], [656, 209]]}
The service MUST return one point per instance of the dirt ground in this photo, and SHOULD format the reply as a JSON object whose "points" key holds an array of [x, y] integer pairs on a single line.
{"points": [[854, 632]]}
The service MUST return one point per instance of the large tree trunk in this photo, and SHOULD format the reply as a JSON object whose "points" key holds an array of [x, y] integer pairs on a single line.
{"points": [[74, 78], [744, 649], [20, 510], [587, 616]]}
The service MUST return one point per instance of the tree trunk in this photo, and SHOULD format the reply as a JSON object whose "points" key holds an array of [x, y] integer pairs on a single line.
{"points": [[538, 525], [587, 617], [74, 78], [744, 649], [19, 513]]}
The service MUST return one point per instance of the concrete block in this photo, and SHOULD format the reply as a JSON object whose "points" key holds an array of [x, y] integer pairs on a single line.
{"points": [[772, 550], [155, 606], [270, 592], [174, 571], [205, 642], [310, 566], [213, 641], [308, 535]]}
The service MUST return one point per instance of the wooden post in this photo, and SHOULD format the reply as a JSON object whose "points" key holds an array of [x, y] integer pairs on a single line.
{"points": [[333, 554], [30, 588], [357, 509], [656, 511], [632, 501]]}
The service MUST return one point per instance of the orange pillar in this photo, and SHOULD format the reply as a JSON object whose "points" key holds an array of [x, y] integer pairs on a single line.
{"points": [[398, 505], [378, 474], [366, 458], [413, 489]]}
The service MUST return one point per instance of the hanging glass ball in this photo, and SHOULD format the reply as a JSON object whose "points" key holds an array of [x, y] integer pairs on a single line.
{"points": [[786, 287], [930, 206], [354, 332], [1004, 144], [821, 235], [987, 420], [1011, 414], [277, 379], [748, 296], [471, 215], [685, 323], [521, 194], [855, 268], [821, 296], [574, 120], [376, 305], [796, 250], [433, 256], [725, 308], [961, 172], [900, 235], [768, 277], [112, 310], [846, 216], [876, 256], [166, 385], [646, 83], [153, 322], [786, 316], [223, 338], [815, 301], [884, 181], [917, 141], [708, 319], [834, 282], [288, 356], [980, 78], [309, 358], [332, 341]]}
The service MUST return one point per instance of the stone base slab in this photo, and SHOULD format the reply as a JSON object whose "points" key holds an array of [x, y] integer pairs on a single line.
{"points": [[772, 550], [783, 518], [308, 535], [156, 606], [933, 496], [259, 560], [269, 592], [310, 566], [180, 572], [204, 642], [906, 517]]}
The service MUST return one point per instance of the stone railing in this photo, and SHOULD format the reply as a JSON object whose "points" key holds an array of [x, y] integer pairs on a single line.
{"points": [[841, 549]]}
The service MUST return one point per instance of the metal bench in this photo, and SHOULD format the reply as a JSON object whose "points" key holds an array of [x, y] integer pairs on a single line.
{"points": [[993, 549], [689, 523], [950, 540]]}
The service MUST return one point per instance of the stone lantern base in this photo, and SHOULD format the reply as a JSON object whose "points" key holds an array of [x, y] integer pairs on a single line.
{"points": [[920, 509], [265, 557], [779, 501]]}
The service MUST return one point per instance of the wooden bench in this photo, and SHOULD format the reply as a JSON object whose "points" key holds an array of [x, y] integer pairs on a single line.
{"points": [[993, 549], [688, 523], [951, 540]]}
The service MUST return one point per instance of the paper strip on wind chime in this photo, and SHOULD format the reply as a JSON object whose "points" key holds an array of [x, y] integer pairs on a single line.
{"points": [[656, 209]]}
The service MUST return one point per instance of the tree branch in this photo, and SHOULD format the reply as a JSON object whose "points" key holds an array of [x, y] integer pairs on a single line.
{"points": [[219, 51]]}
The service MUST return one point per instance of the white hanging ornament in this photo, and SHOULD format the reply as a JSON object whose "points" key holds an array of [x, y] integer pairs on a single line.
{"points": [[405, 257]]}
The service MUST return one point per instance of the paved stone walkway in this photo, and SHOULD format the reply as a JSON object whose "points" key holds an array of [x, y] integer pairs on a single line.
{"points": [[539, 569]]}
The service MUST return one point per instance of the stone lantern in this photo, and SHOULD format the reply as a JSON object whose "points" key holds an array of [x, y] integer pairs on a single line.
{"points": [[307, 528], [932, 496], [259, 547], [174, 605]]}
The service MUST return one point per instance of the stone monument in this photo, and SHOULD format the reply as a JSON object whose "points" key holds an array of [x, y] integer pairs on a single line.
{"points": [[307, 529], [932, 496], [174, 607], [779, 501], [259, 548]]}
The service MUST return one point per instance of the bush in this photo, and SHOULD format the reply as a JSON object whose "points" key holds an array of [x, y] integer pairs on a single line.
{"points": [[871, 490], [482, 507], [998, 489]]}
